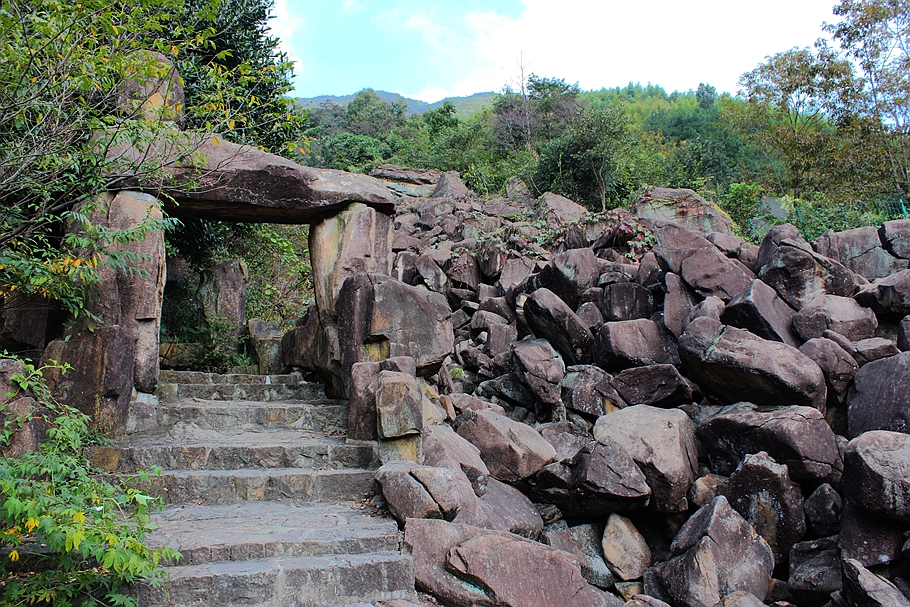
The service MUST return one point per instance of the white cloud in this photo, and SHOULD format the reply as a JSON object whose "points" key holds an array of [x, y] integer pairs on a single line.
{"points": [[284, 25], [350, 6]]}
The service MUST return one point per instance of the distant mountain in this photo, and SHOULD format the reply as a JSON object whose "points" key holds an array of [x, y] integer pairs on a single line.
{"points": [[464, 106]]}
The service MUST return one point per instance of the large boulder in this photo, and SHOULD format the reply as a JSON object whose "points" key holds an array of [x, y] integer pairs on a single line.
{"points": [[860, 250], [877, 471], [584, 543], [569, 274], [627, 301], [839, 314], [863, 588], [221, 298], [888, 297], [599, 478], [355, 241], [511, 450], [715, 553], [444, 448], [799, 274], [732, 365], [100, 384], [710, 272], [466, 566], [380, 318], [552, 319], [541, 369], [759, 310], [895, 236], [760, 489], [226, 181], [880, 396], [655, 385], [662, 443], [588, 389], [633, 343], [798, 437], [625, 550], [814, 571], [683, 207], [414, 491]]}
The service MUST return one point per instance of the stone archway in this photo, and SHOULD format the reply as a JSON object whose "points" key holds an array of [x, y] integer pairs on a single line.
{"points": [[116, 364]]}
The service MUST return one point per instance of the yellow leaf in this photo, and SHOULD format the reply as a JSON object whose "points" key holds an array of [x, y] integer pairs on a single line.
{"points": [[231, 125], [79, 517], [174, 50], [32, 524], [14, 555]]}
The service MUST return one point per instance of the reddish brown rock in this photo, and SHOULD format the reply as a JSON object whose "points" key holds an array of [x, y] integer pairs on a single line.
{"points": [[655, 385], [541, 369], [569, 274], [678, 302], [715, 553], [895, 236], [872, 349], [588, 389], [836, 364], [444, 448], [683, 207], [860, 250], [598, 479], [399, 405], [772, 240], [839, 314], [814, 571], [511, 450], [710, 272], [627, 301], [798, 437], [823, 509], [662, 443], [903, 335], [633, 343], [871, 540], [759, 310], [863, 588], [880, 396], [888, 297], [519, 573], [582, 542], [551, 318], [733, 365], [760, 489], [799, 275], [877, 472]]}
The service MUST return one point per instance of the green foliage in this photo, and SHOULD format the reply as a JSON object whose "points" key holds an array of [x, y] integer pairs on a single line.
{"points": [[71, 537], [589, 164], [219, 346], [741, 204]]}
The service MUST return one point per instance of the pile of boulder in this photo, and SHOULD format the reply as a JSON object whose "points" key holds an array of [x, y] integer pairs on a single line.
{"points": [[567, 418]]}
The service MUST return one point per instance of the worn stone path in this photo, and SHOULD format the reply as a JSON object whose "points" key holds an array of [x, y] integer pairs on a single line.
{"points": [[266, 500]]}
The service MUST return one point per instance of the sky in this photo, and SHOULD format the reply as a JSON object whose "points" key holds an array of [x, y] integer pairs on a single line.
{"points": [[432, 49]]}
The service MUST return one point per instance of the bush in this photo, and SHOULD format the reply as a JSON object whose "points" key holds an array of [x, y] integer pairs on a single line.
{"points": [[71, 536]]}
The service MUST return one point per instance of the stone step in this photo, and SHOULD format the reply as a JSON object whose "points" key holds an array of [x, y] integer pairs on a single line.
{"points": [[312, 581], [220, 415], [233, 486], [264, 530], [173, 392], [201, 377], [233, 450]]}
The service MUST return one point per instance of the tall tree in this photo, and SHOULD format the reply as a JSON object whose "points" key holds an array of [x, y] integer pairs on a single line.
{"points": [[876, 35]]}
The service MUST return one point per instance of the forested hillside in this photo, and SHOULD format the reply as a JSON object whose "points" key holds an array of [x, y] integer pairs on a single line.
{"points": [[823, 129]]}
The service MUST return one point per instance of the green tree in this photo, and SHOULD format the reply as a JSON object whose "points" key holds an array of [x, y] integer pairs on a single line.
{"points": [[369, 115], [590, 163], [790, 98], [540, 110], [875, 34]]}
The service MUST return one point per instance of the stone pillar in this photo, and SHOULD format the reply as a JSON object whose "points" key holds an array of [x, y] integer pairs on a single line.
{"points": [[222, 295], [356, 241], [121, 353]]}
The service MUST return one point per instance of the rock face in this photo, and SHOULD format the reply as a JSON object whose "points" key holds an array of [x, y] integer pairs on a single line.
{"points": [[662, 443], [715, 553], [759, 310], [685, 208], [839, 314], [880, 396], [799, 274], [860, 250], [511, 450], [761, 491], [733, 365], [798, 437], [243, 183], [888, 297], [877, 469], [381, 318], [467, 566]]}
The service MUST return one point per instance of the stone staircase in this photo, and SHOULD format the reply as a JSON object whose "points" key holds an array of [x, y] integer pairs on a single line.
{"points": [[265, 498]]}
